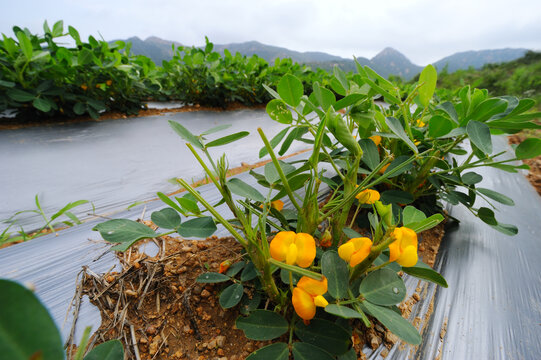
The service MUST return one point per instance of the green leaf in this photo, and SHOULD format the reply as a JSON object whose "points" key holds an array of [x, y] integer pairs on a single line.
{"points": [[212, 278], [350, 233], [124, 231], [216, 129], [188, 204], [305, 351], [239, 187], [396, 163], [528, 149], [343, 311], [274, 142], [228, 139], [488, 108], [370, 153], [396, 127], [386, 94], [249, 272], [425, 272], [20, 95], [479, 134], [25, 44], [199, 227], [169, 202], [110, 350], [74, 34], [68, 207], [494, 195], [58, 28], [396, 197], [471, 178], [351, 99], [324, 97], [411, 215], [42, 104], [85, 57], [185, 134], [290, 89], [350, 355], [439, 126], [27, 331], [231, 296], [426, 224], [276, 351], [262, 325], [428, 79], [324, 333], [278, 111], [487, 216], [383, 287], [166, 218], [271, 174], [336, 271], [394, 322]]}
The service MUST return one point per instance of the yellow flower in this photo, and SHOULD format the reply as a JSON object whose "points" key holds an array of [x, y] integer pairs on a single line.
{"points": [[84, 87], [420, 123], [277, 204], [293, 248], [109, 82], [382, 170], [368, 196], [355, 250], [404, 249], [307, 295], [376, 139]]}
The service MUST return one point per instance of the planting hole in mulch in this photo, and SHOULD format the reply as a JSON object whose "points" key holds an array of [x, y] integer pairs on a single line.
{"points": [[155, 307]]}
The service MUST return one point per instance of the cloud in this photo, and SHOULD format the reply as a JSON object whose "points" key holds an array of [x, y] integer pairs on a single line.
{"points": [[423, 30]]}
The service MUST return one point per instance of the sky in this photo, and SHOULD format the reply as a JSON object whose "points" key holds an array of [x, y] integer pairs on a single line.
{"points": [[424, 31]]}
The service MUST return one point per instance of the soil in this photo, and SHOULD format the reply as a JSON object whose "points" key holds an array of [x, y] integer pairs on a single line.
{"points": [[155, 307], [534, 174], [13, 123]]}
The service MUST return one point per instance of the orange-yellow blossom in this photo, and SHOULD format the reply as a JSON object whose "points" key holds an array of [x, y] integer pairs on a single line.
{"points": [[382, 170], [293, 248], [355, 250], [368, 196], [307, 295], [376, 139], [277, 204], [404, 248]]}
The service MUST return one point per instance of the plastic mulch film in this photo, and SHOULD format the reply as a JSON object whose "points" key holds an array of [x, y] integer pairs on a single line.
{"points": [[491, 309]]}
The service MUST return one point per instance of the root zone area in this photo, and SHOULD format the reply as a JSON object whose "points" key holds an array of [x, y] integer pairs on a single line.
{"points": [[158, 311]]}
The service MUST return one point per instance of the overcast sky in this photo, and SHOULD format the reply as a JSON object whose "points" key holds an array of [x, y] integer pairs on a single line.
{"points": [[424, 31]]}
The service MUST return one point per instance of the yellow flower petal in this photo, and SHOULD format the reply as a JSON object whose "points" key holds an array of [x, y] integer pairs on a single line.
{"points": [[303, 304], [394, 250], [362, 251], [320, 301], [409, 238], [280, 244], [376, 139], [346, 250], [306, 246], [277, 204], [291, 256], [312, 286], [409, 257]]}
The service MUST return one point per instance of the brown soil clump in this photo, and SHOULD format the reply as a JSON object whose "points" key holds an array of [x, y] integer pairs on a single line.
{"points": [[534, 174]]}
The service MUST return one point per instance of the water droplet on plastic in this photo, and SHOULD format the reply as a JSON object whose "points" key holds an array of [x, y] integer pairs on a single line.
{"points": [[395, 290], [110, 232]]}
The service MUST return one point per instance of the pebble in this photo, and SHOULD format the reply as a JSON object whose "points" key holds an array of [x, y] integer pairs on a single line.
{"points": [[391, 338], [182, 270], [197, 290], [151, 330], [154, 345], [416, 297], [205, 293], [131, 293]]}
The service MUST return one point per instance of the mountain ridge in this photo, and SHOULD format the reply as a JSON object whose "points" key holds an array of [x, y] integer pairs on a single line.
{"points": [[387, 62]]}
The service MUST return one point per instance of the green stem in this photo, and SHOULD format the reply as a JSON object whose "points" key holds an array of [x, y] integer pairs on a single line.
{"points": [[296, 269], [378, 267], [279, 170], [358, 309], [83, 344]]}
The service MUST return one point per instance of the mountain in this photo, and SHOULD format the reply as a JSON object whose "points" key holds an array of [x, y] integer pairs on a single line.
{"points": [[463, 60], [388, 62], [392, 62], [153, 47]]}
